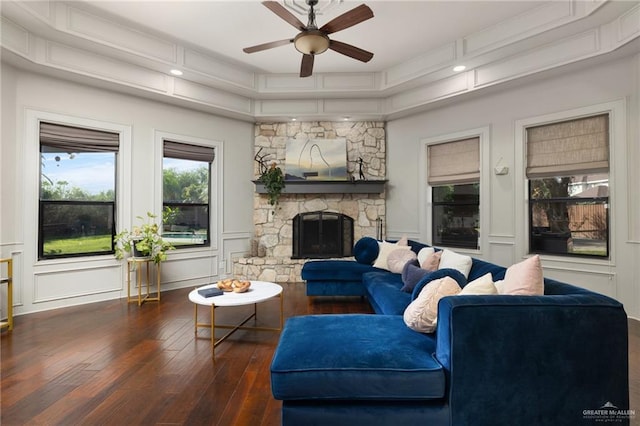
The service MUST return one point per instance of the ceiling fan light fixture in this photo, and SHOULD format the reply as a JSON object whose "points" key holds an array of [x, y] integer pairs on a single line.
{"points": [[312, 42]]}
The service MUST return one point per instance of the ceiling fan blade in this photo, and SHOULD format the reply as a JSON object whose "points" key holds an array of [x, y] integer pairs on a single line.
{"points": [[282, 12], [348, 19], [306, 68], [351, 51], [266, 46]]}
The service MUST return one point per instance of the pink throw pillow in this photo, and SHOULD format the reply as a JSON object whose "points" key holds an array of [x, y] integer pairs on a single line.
{"points": [[398, 258], [422, 314], [524, 278], [432, 262]]}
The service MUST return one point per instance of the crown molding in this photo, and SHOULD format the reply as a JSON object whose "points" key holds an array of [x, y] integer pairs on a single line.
{"points": [[63, 37]]}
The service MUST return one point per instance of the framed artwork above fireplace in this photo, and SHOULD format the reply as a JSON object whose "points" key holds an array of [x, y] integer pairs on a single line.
{"points": [[316, 159]]}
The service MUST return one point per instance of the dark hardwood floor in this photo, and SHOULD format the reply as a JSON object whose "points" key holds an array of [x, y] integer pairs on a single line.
{"points": [[113, 363]]}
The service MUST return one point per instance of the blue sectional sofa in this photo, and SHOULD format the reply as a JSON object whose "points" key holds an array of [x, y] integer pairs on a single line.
{"points": [[555, 359]]}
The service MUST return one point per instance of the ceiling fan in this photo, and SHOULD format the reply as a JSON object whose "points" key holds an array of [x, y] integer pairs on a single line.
{"points": [[312, 40]]}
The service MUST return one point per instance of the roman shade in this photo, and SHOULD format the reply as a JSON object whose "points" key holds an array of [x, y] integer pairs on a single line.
{"points": [[185, 151], [456, 162], [569, 147], [57, 137]]}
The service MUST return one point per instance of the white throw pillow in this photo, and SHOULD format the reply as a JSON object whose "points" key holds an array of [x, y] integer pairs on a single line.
{"points": [[525, 278], [482, 285], [453, 260], [385, 249], [422, 314]]}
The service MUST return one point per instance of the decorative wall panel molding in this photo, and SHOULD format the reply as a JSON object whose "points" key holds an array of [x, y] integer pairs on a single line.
{"points": [[348, 106], [14, 37], [548, 16], [628, 25], [568, 50], [294, 107], [430, 93], [420, 65], [211, 96], [207, 66], [97, 29], [56, 285], [87, 63]]}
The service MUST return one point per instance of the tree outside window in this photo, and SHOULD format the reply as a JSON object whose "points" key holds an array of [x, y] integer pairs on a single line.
{"points": [[186, 194]]}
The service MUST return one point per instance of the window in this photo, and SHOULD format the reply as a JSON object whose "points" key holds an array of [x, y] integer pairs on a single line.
{"points": [[77, 191], [454, 177], [186, 171], [568, 171]]}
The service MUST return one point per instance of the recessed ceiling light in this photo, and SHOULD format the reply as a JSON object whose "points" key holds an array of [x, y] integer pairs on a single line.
{"points": [[176, 72], [459, 68], [293, 119]]}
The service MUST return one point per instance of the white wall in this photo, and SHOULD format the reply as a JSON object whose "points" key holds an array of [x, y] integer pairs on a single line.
{"points": [[504, 242], [41, 285]]}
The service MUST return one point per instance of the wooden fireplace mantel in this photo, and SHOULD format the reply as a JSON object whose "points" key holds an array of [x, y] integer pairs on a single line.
{"points": [[328, 187]]}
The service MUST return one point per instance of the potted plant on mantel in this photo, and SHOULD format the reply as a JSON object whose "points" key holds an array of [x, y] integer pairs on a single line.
{"points": [[273, 181], [142, 241]]}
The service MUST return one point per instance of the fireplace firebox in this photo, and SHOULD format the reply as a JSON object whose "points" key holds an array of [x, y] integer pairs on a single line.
{"points": [[322, 235]]}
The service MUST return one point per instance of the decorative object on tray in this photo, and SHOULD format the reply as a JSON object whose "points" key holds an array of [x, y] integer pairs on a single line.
{"points": [[142, 241], [237, 286], [210, 292]]}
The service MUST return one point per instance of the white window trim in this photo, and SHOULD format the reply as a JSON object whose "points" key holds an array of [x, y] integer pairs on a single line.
{"points": [[32, 178], [215, 185], [617, 136], [425, 197]]}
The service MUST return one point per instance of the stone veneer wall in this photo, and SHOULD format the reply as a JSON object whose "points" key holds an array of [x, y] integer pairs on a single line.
{"points": [[270, 255]]}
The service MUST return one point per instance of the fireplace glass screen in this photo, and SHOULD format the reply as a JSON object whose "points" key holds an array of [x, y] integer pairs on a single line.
{"points": [[321, 235]]}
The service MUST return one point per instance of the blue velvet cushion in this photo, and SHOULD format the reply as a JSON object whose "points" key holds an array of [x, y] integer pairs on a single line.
{"points": [[366, 250], [335, 270], [355, 357], [435, 275], [481, 267], [411, 274], [383, 292]]}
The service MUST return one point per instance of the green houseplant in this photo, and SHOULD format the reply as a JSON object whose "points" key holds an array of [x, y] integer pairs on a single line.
{"points": [[144, 240], [273, 181]]}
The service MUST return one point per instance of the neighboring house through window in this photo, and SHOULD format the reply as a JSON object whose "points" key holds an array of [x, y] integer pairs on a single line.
{"points": [[186, 178], [77, 191], [454, 178], [568, 172]]}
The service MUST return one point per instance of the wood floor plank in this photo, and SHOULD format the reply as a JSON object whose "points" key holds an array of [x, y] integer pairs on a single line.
{"points": [[116, 363]]}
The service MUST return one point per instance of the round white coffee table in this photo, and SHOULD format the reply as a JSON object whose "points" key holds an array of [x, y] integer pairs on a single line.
{"points": [[257, 293]]}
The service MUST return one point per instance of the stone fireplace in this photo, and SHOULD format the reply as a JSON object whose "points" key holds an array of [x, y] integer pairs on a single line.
{"points": [[271, 248]]}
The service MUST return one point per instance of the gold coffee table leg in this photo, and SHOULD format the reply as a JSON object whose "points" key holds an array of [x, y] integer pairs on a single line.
{"points": [[213, 332]]}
